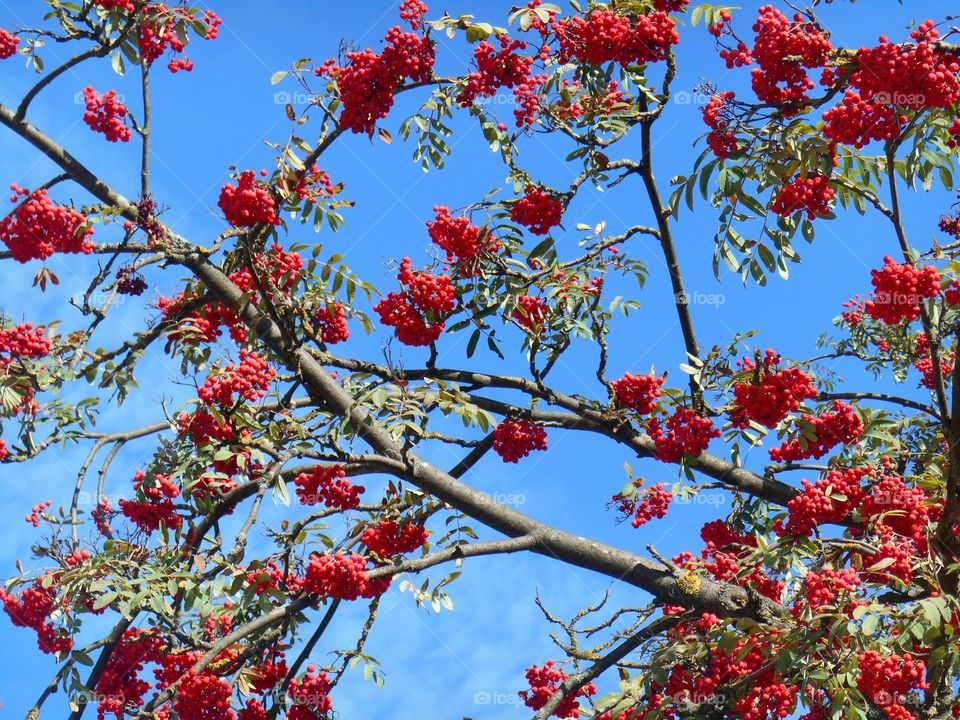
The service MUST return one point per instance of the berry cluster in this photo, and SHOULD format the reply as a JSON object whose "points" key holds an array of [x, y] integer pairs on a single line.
{"points": [[156, 508], [342, 576], [38, 228], [721, 140], [37, 511], [309, 696], [22, 342], [686, 433], [812, 194], [32, 609], [531, 313], [464, 244], [906, 510], [129, 282], [921, 349], [368, 82], [249, 380], [889, 79], [332, 321], [784, 49], [638, 392], [106, 114], [503, 68], [899, 289], [950, 224], [885, 681], [829, 500], [164, 28], [538, 211], [388, 538], [418, 312], [412, 11], [314, 185], [8, 44], [109, 5], [204, 696], [248, 202], [120, 687], [325, 484], [515, 439], [603, 36], [772, 395], [644, 505], [822, 589], [544, 682], [842, 426]]}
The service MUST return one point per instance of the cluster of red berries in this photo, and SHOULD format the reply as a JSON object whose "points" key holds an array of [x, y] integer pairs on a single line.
{"points": [[812, 194], [4, 452], [388, 538], [22, 342], [686, 432], [36, 512], [828, 500], [120, 687], [129, 282], [106, 114], [418, 312], [156, 508], [32, 609], [332, 321], [464, 244], [38, 228], [108, 5], [412, 11], [906, 510], [888, 79], [165, 28], [638, 392], [898, 290], [248, 202], [772, 395], [249, 380], [840, 427], [325, 484], [921, 349], [309, 696], [531, 313], [886, 681], [544, 682], [538, 210], [203, 695], [724, 551], [644, 505], [894, 558], [603, 36], [314, 185], [368, 82], [950, 224], [342, 576], [503, 68], [515, 439], [784, 49], [8, 44], [721, 141], [822, 589]]}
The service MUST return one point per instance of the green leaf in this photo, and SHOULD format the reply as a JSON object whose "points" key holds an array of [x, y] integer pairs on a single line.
{"points": [[278, 76]]}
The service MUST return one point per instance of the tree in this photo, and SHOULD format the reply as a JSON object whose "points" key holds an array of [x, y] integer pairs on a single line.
{"points": [[831, 597]]}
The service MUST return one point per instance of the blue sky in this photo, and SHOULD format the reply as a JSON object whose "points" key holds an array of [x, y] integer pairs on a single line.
{"points": [[439, 665]]}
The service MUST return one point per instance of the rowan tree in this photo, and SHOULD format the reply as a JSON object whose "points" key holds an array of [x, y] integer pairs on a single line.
{"points": [[830, 590]]}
